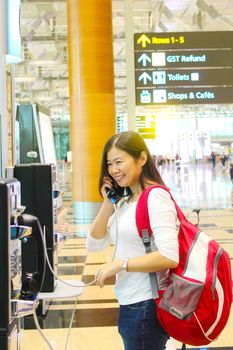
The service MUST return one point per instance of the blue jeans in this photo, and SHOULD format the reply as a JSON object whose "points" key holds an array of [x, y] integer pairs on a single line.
{"points": [[139, 327]]}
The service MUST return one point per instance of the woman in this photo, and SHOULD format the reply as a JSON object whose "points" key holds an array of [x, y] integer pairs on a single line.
{"points": [[128, 167]]}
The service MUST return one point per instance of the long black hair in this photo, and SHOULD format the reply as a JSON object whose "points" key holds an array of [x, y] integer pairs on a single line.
{"points": [[133, 144]]}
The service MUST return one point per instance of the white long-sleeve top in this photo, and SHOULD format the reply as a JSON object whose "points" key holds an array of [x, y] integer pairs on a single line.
{"points": [[132, 287]]}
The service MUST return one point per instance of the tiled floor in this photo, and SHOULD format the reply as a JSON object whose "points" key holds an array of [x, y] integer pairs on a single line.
{"points": [[95, 319]]}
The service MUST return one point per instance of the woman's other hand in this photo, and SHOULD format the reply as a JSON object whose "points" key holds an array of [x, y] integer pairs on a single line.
{"points": [[107, 270]]}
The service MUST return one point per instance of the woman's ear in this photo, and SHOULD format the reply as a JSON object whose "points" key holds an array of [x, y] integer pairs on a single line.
{"points": [[143, 158]]}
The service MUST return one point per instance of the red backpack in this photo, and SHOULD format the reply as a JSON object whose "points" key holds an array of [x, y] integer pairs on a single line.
{"points": [[196, 304]]}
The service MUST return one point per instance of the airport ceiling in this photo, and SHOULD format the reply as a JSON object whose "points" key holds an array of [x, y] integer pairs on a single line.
{"points": [[42, 76]]}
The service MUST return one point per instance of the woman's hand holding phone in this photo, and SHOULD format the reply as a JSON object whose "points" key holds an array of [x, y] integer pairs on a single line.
{"points": [[107, 184]]}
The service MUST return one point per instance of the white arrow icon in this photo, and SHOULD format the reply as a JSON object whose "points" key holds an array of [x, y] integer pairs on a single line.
{"points": [[144, 76], [144, 59]]}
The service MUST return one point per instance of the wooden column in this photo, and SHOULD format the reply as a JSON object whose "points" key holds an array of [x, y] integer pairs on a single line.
{"points": [[92, 106]]}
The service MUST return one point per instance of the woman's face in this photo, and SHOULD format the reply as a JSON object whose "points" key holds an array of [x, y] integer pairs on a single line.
{"points": [[124, 169]]}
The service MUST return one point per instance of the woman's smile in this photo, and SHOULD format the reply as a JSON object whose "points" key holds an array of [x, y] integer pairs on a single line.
{"points": [[118, 178]]}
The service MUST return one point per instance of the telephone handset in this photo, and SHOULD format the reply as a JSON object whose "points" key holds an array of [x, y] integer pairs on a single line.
{"points": [[113, 194]]}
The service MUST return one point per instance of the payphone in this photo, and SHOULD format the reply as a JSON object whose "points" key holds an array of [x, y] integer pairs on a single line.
{"points": [[11, 236], [38, 192]]}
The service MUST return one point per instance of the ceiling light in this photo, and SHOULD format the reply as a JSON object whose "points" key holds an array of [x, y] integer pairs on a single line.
{"points": [[45, 98], [25, 79], [44, 62]]}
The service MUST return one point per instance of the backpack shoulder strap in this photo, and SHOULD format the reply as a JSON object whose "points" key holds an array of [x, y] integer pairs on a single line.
{"points": [[142, 215]]}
